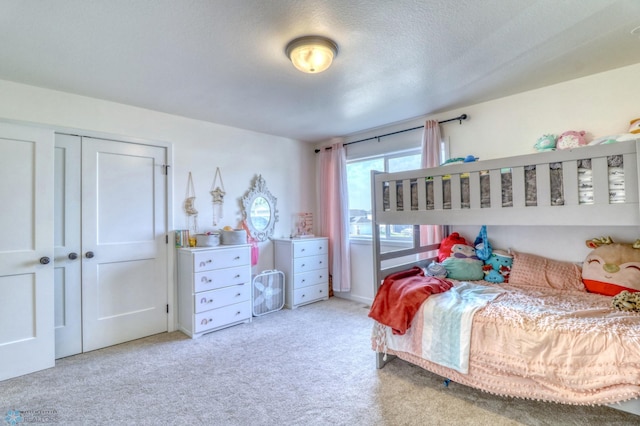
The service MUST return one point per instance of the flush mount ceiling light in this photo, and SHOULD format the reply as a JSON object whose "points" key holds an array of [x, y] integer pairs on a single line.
{"points": [[311, 54]]}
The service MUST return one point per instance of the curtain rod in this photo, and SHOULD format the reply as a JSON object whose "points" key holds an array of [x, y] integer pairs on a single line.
{"points": [[459, 118]]}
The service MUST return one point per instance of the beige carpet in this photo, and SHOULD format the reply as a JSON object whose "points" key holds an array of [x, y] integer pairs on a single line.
{"points": [[309, 366]]}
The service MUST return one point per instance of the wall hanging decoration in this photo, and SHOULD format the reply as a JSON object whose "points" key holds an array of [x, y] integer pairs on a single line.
{"points": [[190, 207], [217, 197]]}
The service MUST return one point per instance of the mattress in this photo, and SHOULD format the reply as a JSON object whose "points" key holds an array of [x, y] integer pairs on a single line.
{"points": [[547, 344]]}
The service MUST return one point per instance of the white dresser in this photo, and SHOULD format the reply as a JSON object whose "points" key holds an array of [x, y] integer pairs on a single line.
{"points": [[305, 265], [214, 288]]}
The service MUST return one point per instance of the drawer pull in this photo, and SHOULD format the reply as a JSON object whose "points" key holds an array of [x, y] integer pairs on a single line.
{"points": [[302, 250], [237, 276], [303, 280], [321, 262], [204, 300], [238, 313], [320, 277], [302, 296], [239, 294], [205, 321], [320, 291], [209, 260], [302, 266], [237, 258], [205, 280]]}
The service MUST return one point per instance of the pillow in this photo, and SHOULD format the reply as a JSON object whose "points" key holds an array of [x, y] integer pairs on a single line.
{"points": [[538, 271]]}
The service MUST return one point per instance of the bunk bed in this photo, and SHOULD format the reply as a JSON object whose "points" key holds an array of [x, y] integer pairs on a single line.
{"points": [[593, 186]]}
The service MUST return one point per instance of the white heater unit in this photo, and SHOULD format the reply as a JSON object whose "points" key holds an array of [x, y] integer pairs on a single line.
{"points": [[267, 292]]}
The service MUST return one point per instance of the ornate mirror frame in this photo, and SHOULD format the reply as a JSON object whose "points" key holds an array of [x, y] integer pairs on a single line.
{"points": [[259, 190]]}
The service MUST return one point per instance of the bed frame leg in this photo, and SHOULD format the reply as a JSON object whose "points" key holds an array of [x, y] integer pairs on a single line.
{"points": [[380, 361]]}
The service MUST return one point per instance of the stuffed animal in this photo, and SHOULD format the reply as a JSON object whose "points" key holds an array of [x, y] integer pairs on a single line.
{"points": [[482, 245], [498, 267], [546, 143], [436, 270], [611, 267], [447, 244], [626, 301], [571, 139], [459, 259]]}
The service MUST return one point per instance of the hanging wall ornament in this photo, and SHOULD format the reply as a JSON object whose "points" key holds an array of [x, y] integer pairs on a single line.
{"points": [[217, 197], [190, 207]]}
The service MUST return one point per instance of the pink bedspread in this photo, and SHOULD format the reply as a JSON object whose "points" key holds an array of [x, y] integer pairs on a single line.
{"points": [[546, 344]]}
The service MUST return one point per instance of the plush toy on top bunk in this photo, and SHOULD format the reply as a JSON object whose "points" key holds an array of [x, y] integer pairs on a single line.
{"points": [[611, 267]]}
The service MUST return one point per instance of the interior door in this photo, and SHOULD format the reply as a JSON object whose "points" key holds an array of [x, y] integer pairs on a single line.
{"points": [[124, 231], [26, 250], [68, 300]]}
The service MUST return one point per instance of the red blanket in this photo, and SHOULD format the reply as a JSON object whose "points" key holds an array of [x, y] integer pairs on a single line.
{"points": [[401, 295]]}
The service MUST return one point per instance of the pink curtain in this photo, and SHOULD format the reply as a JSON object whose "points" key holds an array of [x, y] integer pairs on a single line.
{"points": [[431, 140], [334, 213]]}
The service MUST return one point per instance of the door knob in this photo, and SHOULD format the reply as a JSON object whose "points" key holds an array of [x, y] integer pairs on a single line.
{"points": [[73, 256], [44, 260], [89, 254]]}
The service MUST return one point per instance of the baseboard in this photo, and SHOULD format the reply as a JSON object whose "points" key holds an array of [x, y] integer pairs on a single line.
{"points": [[348, 296]]}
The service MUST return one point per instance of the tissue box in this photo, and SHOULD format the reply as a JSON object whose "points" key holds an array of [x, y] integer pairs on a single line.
{"points": [[230, 238]]}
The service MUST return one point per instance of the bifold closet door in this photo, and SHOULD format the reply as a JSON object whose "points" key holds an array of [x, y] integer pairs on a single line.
{"points": [[26, 250], [124, 247]]}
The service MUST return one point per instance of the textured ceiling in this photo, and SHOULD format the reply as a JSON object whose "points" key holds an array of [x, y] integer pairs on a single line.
{"points": [[222, 60]]}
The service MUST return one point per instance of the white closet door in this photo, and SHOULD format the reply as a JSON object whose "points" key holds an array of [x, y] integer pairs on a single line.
{"points": [[26, 250], [68, 300], [124, 275]]}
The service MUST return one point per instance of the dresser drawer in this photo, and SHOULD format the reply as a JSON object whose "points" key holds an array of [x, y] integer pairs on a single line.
{"points": [[309, 248], [222, 316], [310, 294], [306, 279], [217, 278], [224, 258], [214, 299], [303, 264]]}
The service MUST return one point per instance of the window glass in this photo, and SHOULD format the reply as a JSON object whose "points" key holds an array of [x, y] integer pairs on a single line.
{"points": [[406, 162], [359, 187]]}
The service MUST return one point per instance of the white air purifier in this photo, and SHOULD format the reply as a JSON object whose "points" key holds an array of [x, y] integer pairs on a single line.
{"points": [[267, 294]]}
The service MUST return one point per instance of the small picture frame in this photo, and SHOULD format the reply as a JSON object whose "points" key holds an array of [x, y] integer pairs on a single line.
{"points": [[303, 225]]}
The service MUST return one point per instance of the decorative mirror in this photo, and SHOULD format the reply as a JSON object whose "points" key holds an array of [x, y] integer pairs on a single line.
{"points": [[260, 211]]}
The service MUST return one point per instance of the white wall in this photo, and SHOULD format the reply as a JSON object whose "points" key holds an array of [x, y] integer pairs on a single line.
{"points": [[601, 104], [198, 147]]}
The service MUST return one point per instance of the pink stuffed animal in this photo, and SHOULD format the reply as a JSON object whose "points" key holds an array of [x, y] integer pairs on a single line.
{"points": [[571, 139]]}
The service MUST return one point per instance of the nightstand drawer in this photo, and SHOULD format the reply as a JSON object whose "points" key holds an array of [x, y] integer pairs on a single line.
{"points": [[303, 264], [210, 280], [222, 316], [310, 294], [223, 258], [306, 279], [222, 297], [309, 248]]}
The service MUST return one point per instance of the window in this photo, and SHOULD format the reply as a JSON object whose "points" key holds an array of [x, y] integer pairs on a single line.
{"points": [[359, 187]]}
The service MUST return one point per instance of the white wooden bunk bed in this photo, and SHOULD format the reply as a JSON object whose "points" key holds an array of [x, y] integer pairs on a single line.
{"points": [[594, 186]]}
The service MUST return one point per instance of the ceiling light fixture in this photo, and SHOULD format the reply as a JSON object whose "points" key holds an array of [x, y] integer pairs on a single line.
{"points": [[311, 54]]}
